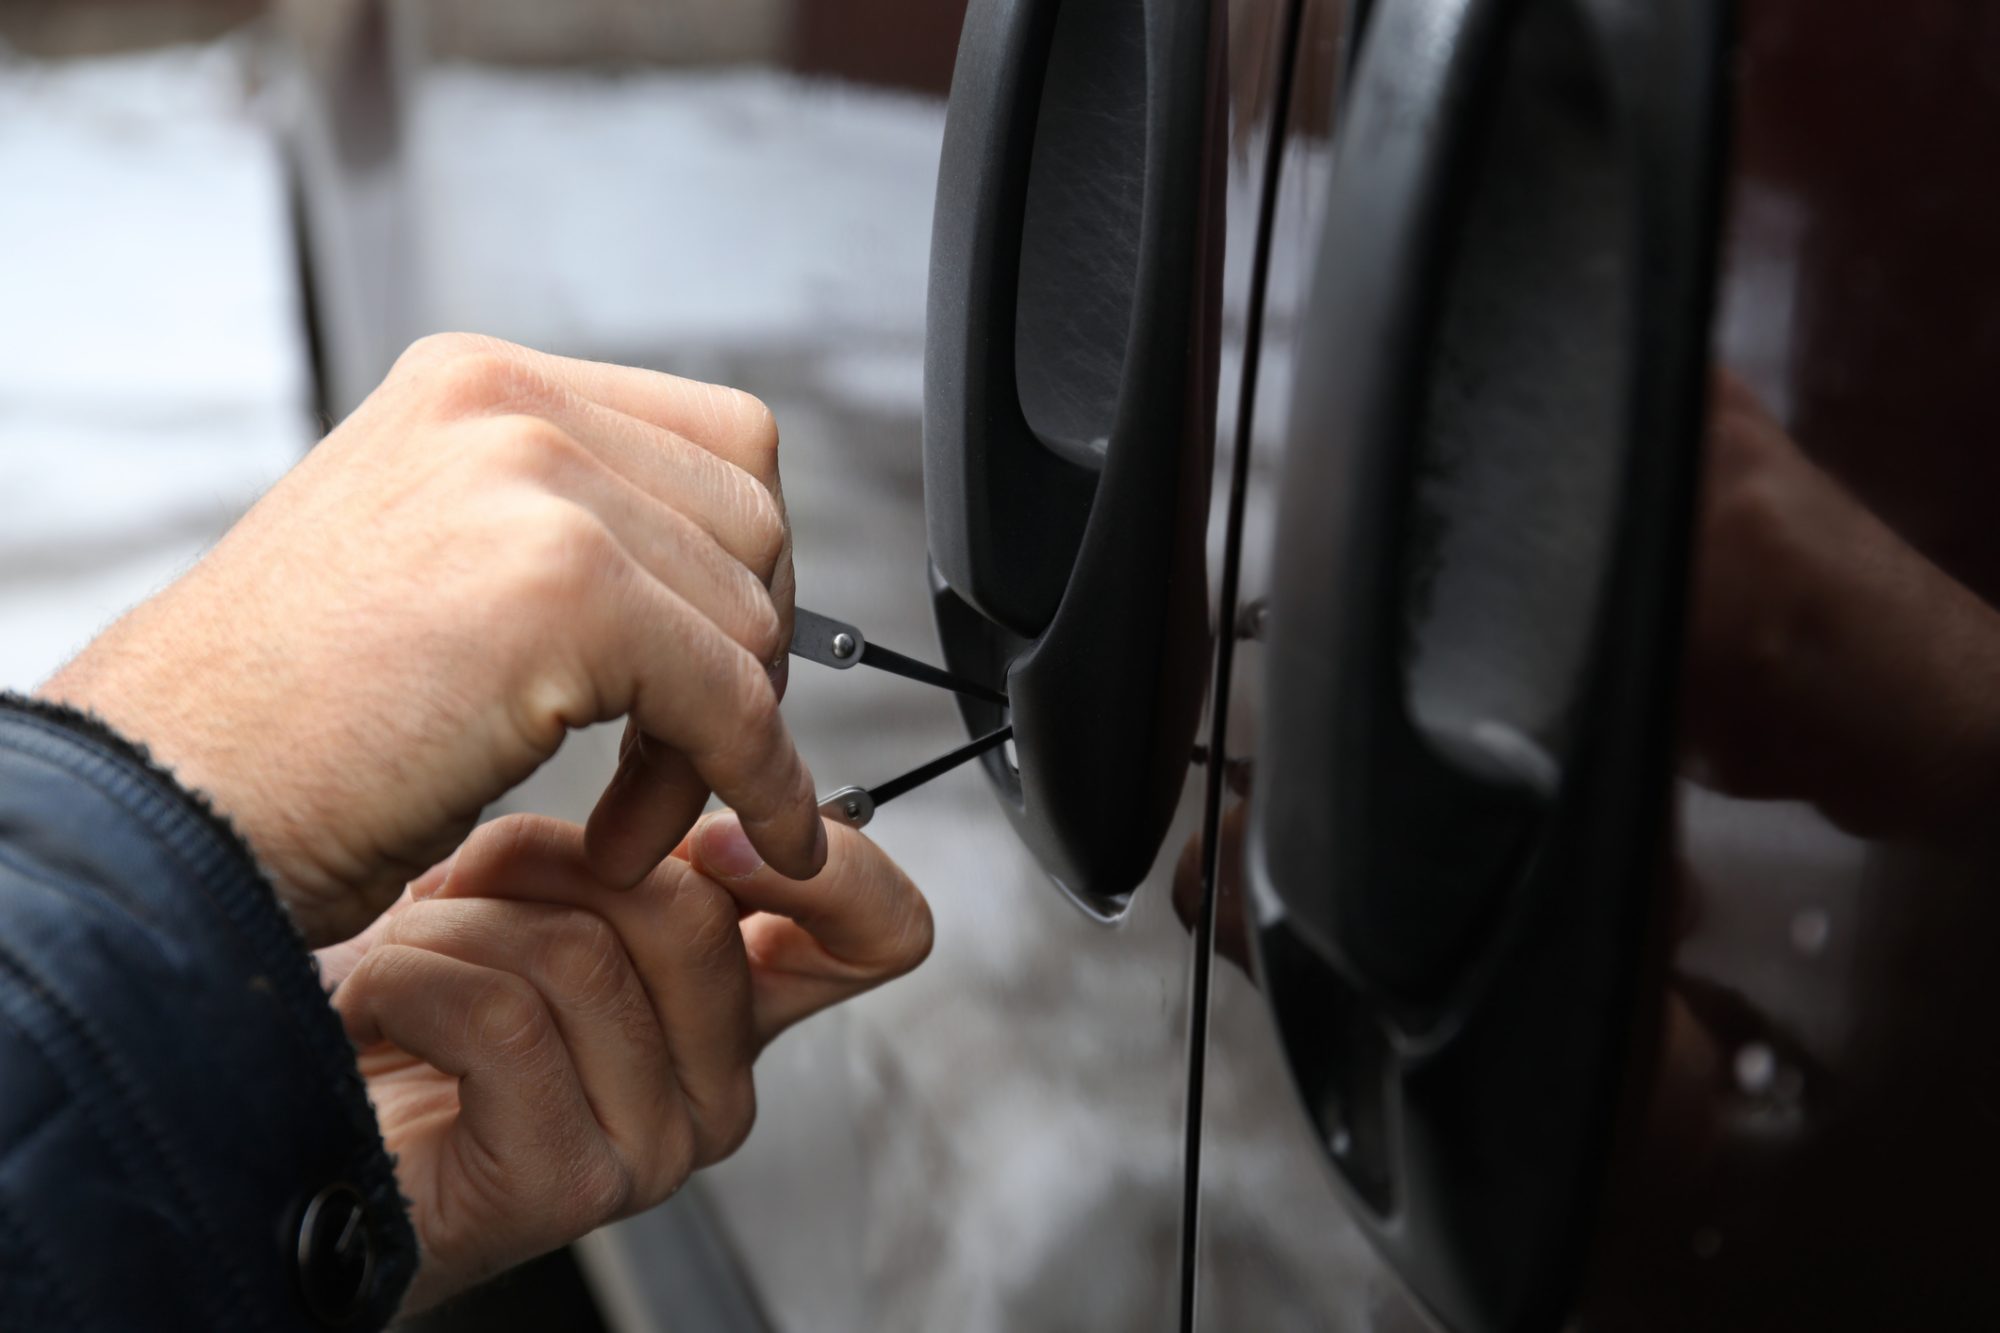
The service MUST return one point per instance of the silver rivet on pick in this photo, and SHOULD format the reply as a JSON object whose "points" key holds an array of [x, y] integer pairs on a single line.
{"points": [[853, 808], [843, 646]]}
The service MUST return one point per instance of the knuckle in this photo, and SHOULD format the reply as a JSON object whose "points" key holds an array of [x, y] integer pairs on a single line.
{"points": [[600, 1188], [405, 928], [757, 700], [560, 696], [583, 960], [734, 1115], [562, 556], [476, 376], [668, 1152], [523, 445], [763, 632], [636, 1021], [512, 1021], [435, 349], [750, 717], [352, 995], [678, 1154], [745, 707], [708, 917], [505, 840], [383, 967], [765, 533]]}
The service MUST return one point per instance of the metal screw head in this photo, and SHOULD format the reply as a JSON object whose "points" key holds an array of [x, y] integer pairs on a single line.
{"points": [[843, 646], [853, 808]]}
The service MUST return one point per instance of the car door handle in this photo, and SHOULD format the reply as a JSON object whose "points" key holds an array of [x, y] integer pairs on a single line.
{"points": [[1490, 452], [1068, 410], [1472, 647]]}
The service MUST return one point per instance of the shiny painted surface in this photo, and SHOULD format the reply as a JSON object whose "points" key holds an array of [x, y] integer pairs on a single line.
{"points": [[1816, 1149], [1807, 1134], [1277, 1248]]}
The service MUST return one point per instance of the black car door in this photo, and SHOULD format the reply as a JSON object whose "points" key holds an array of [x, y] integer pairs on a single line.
{"points": [[1465, 509]]}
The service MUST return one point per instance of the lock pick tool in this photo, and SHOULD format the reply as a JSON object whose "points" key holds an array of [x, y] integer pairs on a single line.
{"points": [[834, 643]]}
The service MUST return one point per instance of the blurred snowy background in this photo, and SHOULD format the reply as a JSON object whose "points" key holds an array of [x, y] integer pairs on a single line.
{"points": [[154, 370]]}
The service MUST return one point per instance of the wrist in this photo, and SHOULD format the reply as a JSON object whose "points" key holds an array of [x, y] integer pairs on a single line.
{"points": [[105, 686]]}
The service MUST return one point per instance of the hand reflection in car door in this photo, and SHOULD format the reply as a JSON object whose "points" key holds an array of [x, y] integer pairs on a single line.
{"points": [[1832, 670], [1832, 665], [1828, 662]]}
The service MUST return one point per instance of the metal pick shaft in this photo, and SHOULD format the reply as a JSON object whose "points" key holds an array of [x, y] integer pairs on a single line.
{"points": [[855, 806], [837, 644]]}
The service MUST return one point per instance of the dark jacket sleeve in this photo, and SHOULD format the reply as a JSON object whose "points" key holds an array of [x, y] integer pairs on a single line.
{"points": [[185, 1141]]}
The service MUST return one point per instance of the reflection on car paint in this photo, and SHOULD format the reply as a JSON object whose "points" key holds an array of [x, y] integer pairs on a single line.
{"points": [[1805, 1138]]}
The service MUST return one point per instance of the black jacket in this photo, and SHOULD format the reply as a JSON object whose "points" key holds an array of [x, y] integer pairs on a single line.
{"points": [[184, 1139]]}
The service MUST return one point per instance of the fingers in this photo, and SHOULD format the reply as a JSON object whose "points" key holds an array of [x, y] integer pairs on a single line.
{"points": [[864, 914], [859, 923], [741, 512], [657, 791], [731, 423], [679, 932], [706, 450], [578, 964], [337, 961], [655, 787], [709, 450], [524, 1128], [654, 792], [682, 681], [682, 555], [683, 476]]}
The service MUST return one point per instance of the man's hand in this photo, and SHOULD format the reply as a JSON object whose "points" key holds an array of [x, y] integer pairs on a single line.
{"points": [[546, 1054], [497, 547]]}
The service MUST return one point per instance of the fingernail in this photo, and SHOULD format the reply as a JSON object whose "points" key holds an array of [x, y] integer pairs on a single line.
{"points": [[725, 850]]}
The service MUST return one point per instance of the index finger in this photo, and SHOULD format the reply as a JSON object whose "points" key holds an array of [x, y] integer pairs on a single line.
{"points": [[738, 428], [650, 655]]}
